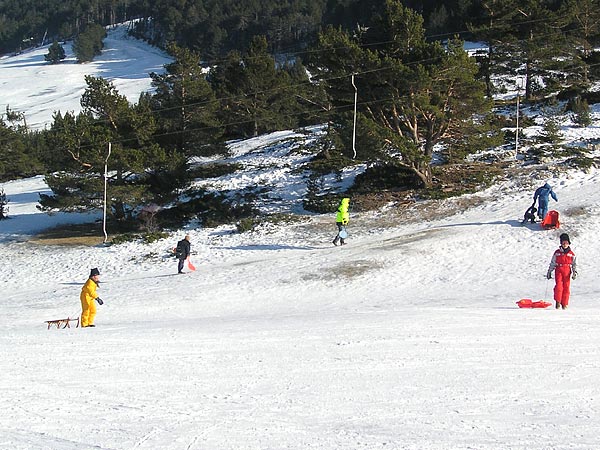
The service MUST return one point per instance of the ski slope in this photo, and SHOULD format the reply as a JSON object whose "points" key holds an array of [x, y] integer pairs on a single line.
{"points": [[406, 338]]}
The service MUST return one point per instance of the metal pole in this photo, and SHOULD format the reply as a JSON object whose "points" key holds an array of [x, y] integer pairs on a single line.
{"points": [[354, 129], [105, 189], [517, 132]]}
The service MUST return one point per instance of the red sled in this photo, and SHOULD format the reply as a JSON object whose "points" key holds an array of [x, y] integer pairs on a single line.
{"points": [[551, 221], [528, 303]]}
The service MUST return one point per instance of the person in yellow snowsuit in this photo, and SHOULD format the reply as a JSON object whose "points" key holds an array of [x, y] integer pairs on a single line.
{"points": [[341, 220], [88, 297]]}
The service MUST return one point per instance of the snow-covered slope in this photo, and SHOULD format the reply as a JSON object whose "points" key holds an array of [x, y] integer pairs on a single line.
{"points": [[406, 338], [32, 86]]}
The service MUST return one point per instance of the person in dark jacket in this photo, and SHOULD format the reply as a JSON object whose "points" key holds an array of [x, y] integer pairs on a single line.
{"points": [[182, 252], [530, 214], [542, 195]]}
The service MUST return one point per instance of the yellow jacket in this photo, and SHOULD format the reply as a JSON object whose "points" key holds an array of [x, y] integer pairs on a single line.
{"points": [[88, 291], [342, 213]]}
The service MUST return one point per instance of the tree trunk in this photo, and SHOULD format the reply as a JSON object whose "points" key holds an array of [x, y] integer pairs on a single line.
{"points": [[426, 176], [488, 70]]}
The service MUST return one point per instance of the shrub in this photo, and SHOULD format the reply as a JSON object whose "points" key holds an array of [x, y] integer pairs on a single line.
{"points": [[210, 208], [581, 111], [321, 204], [3, 205], [56, 53], [551, 131], [384, 177], [146, 238]]}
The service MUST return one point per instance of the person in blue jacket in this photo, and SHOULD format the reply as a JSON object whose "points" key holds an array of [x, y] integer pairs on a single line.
{"points": [[542, 195]]}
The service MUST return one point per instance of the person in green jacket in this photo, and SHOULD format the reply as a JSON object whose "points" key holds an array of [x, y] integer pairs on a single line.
{"points": [[341, 220]]}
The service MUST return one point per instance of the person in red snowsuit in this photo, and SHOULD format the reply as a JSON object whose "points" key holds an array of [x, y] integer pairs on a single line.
{"points": [[564, 265]]}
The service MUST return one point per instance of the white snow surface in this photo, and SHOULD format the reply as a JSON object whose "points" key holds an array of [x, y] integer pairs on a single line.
{"points": [[36, 88], [406, 338]]}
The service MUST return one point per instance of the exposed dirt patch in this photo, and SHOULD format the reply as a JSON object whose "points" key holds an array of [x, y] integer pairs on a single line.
{"points": [[377, 200], [345, 271], [393, 208], [87, 234], [576, 212], [411, 239]]}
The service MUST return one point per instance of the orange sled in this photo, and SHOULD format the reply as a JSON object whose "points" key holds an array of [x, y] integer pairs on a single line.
{"points": [[551, 221], [528, 303]]}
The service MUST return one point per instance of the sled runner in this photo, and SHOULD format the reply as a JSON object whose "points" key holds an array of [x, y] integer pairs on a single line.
{"points": [[551, 221], [62, 323], [528, 303]]}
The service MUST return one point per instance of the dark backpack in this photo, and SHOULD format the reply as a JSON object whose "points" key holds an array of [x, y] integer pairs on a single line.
{"points": [[179, 250]]}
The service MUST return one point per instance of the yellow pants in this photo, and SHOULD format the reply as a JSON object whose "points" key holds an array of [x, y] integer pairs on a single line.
{"points": [[88, 312]]}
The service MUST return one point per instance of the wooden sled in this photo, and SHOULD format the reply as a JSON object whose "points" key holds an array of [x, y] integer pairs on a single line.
{"points": [[528, 303], [62, 323]]}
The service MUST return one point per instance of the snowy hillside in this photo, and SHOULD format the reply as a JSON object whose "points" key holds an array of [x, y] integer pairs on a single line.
{"points": [[30, 85], [406, 338]]}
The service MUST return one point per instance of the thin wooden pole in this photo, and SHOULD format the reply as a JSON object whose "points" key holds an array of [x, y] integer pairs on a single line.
{"points": [[517, 132], [105, 189], [354, 129]]}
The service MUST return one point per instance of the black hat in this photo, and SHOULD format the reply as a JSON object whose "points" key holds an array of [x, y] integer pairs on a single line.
{"points": [[565, 237], [94, 272]]}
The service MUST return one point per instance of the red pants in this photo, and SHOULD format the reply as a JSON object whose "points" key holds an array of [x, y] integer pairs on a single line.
{"points": [[562, 289]]}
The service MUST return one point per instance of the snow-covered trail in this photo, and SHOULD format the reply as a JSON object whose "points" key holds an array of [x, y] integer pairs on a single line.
{"points": [[434, 377], [406, 338]]}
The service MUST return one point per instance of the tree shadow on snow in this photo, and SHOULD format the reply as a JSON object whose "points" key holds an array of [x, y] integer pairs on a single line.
{"points": [[271, 247], [512, 223]]}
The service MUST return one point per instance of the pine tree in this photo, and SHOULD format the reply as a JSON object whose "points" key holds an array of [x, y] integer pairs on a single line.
{"points": [[138, 166], [89, 43], [538, 45], [581, 19], [414, 94], [493, 26], [56, 53], [15, 158], [257, 96], [551, 133], [581, 111], [187, 106]]}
